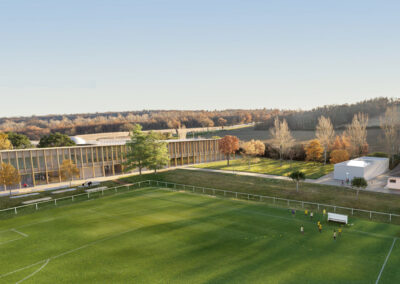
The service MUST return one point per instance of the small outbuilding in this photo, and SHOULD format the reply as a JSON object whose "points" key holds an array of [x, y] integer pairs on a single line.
{"points": [[366, 167], [393, 183]]}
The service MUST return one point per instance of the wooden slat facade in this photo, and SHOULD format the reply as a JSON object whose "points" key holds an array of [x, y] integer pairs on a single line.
{"points": [[42, 165]]}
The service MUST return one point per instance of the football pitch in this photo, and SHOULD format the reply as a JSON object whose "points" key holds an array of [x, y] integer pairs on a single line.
{"points": [[153, 235]]}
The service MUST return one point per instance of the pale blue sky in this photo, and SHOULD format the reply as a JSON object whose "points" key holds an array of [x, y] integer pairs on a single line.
{"points": [[88, 56]]}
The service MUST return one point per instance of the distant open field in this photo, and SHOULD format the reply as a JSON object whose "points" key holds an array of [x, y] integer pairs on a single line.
{"points": [[269, 166], [246, 134], [153, 235]]}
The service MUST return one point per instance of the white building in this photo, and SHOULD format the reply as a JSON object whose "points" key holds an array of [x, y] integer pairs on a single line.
{"points": [[393, 183], [366, 167]]}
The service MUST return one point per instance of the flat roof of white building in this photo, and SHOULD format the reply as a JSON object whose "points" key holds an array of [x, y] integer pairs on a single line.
{"points": [[361, 162]]}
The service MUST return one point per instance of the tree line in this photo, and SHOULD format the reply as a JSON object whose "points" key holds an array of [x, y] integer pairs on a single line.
{"points": [[339, 115], [37, 126], [328, 146]]}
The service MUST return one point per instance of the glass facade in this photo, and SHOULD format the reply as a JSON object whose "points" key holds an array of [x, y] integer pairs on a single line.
{"points": [[41, 166]]}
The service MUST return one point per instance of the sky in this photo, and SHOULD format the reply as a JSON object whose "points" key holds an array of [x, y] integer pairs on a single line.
{"points": [[60, 57]]}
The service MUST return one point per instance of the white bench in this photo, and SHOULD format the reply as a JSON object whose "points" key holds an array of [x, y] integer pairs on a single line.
{"points": [[337, 218], [37, 200], [96, 189], [63, 190], [24, 195]]}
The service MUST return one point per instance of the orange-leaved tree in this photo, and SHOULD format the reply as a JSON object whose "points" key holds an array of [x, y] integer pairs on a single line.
{"points": [[228, 145], [68, 171], [9, 175], [252, 149], [314, 150], [338, 156]]}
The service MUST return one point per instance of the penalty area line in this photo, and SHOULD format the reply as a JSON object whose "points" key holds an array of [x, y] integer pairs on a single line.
{"points": [[70, 251], [386, 260], [20, 233], [33, 273]]}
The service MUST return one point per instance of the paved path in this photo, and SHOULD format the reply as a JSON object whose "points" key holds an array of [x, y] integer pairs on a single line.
{"points": [[377, 185]]}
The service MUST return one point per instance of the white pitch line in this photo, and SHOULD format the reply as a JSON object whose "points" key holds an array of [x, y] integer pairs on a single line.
{"points": [[33, 273], [69, 252], [9, 241], [18, 232], [386, 260]]}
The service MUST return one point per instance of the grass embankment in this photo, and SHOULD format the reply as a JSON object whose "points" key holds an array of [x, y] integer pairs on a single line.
{"points": [[155, 236], [280, 188], [312, 170]]}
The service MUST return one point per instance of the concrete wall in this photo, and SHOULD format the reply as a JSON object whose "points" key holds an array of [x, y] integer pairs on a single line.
{"points": [[375, 167], [341, 170]]}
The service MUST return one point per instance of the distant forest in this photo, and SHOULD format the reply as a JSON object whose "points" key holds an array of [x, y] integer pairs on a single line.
{"points": [[75, 124], [340, 115]]}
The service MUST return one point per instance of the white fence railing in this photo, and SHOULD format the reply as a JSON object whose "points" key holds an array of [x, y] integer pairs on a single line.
{"points": [[80, 196], [275, 201], [282, 202]]}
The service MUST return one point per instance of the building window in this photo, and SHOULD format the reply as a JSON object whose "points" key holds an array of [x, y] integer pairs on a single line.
{"points": [[392, 181]]}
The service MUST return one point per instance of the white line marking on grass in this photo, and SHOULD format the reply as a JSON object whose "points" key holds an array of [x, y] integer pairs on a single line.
{"points": [[29, 224], [18, 232], [71, 251], [272, 215], [9, 241], [386, 260], [33, 273]]}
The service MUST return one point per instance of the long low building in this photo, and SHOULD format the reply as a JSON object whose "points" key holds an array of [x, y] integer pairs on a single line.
{"points": [[39, 166]]}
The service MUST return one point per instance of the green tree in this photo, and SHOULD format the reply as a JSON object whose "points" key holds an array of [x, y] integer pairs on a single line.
{"points": [[9, 175], [297, 176], [5, 143], [19, 141], [55, 140], [158, 153], [68, 171], [358, 183], [139, 150]]}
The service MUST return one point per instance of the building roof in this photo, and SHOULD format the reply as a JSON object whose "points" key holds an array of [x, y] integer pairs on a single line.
{"points": [[361, 162]]}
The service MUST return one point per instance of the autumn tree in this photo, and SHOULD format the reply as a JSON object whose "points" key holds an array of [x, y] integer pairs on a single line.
{"points": [[9, 175], [206, 122], [314, 150], [5, 143], [341, 143], [356, 131], [68, 171], [325, 134], [338, 156], [228, 145], [222, 122], [390, 124], [251, 149], [282, 139]]}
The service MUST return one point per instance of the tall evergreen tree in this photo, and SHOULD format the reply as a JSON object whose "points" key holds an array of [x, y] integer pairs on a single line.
{"points": [[139, 150]]}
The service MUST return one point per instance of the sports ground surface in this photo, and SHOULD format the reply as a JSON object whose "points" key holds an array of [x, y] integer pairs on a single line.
{"points": [[154, 235]]}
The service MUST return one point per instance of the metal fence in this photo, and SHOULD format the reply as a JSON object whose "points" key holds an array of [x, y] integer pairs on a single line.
{"points": [[270, 200], [283, 202], [34, 206]]}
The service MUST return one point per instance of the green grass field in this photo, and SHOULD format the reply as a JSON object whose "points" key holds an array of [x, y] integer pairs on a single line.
{"points": [[152, 235], [269, 166]]}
